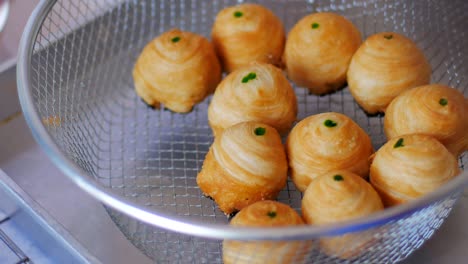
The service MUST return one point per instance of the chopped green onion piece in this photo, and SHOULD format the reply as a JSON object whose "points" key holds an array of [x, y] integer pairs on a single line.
{"points": [[271, 214], [315, 25], [175, 39], [399, 143], [260, 131], [238, 14], [389, 36], [338, 177], [249, 77], [330, 123], [443, 101]]}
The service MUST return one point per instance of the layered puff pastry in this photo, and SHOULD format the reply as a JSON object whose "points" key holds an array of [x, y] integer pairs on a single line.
{"points": [[318, 51], [245, 164], [178, 69], [266, 214], [338, 196], [411, 166], [436, 110], [259, 92], [385, 65], [246, 33], [324, 142]]}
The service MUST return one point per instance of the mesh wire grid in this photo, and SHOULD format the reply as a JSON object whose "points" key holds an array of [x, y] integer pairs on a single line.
{"points": [[81, 85]]}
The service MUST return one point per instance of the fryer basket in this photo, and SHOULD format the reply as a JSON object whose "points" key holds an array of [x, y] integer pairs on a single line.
{"points": [[77, 94]]}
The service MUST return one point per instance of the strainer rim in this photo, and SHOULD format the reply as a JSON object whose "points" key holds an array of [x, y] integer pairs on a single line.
{"points": [[178, 223]]}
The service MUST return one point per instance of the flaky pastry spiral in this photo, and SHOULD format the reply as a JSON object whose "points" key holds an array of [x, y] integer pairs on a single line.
{"points": [[324, 142], [266, 214], [410, 166], [245, 164], [338, 196], [259, 92], [247, 33], [436, 110], [385, 65], [178, 69], [318, 51]]}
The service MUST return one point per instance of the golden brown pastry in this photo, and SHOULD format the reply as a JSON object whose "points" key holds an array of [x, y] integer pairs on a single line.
{"points": [[436, 110], [259, 92], [324, 142], [338, 196], [410, 166], [178, 69], [385, 65], [246, 33], [245, 164], [318, 51], [266, 214]]}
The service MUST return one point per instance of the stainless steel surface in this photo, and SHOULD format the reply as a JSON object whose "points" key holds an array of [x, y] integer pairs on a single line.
{"points": [[19, 12], [9, 251], [104, 132], [31, 234], [4, 11]]}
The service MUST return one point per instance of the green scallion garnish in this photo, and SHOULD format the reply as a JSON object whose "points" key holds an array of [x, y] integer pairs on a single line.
{"points": [[330, 123], [399, 143], [443, 101], [271, 214], [338, 178], [248, 77], [260, 131]]}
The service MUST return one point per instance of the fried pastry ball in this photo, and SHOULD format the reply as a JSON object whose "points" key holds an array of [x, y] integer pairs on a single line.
{"points": [[338, 196], [248, 33], [178, 69], [410, 166], [318, 51], [259, 92], [245, 164], [324, 142], [436, 110], [384, 66], [266, 214]]}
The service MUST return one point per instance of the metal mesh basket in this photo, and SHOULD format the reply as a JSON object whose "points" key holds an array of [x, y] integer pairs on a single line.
{"points": [[77, 94]]}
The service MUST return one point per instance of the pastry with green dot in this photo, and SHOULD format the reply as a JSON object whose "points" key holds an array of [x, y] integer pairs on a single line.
{"points": [[384, 66], [246, 163], [258, 92], [436, 110], [266, 214], [410, 166], [337, 196], [248, 33], [324, 142], [318, 51], [178, 69]]}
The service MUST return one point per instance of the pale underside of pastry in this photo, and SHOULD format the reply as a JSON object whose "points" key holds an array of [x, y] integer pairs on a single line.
{"points": [[318, 51], [259, 92], [178, 69], [245, 164], [436, 110], [385, 65], [248, 33], [324, 142], [338, 196], [266, 214], [410, 166]]}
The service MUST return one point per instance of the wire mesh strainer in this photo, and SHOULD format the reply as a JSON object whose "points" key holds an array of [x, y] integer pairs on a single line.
{"points": [[76, 90]]}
